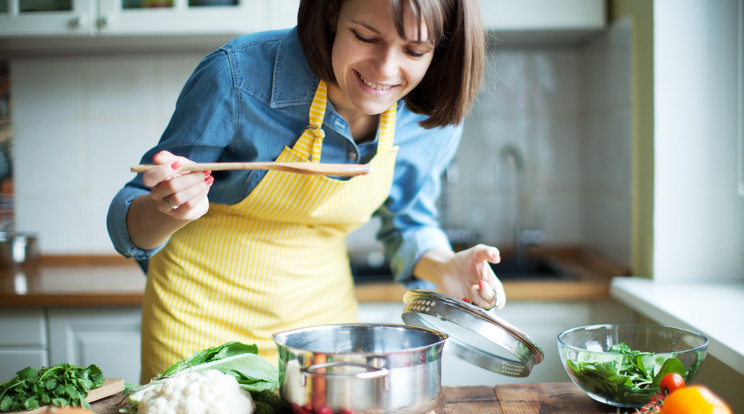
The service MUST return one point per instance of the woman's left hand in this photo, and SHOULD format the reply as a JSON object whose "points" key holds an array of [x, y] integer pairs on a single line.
{"points": [[465, 275]]}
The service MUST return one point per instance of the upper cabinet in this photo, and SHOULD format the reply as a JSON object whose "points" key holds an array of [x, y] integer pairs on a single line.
{"points": [[543, 21], [140, 24], [30, 26], [20, 18]]}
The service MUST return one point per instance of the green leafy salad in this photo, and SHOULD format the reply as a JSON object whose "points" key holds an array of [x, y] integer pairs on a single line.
{"points": [[632, 379]]}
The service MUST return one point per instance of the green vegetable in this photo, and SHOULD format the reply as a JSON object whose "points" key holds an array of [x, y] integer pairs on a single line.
{"points": [[633, 379], [253, 373], [271, 399], [59, 385]]}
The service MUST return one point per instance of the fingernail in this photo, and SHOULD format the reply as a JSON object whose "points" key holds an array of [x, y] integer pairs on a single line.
{"points": [[209, 180], [208, 172], [465, 300], [176, 165], [481, 284]]}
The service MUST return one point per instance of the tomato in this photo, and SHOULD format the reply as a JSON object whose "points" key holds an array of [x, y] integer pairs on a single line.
{"points": [[654, 405], [671, 382], [694, 399]]}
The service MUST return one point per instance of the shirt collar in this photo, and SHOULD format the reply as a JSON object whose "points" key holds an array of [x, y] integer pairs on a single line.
{"points": [[293, 81]]}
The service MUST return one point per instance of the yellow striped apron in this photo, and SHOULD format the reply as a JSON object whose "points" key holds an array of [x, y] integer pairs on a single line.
{"points": [[275, 261]]}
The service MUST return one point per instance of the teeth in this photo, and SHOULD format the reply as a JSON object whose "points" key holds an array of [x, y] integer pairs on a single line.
{"points": [[374, 85]]}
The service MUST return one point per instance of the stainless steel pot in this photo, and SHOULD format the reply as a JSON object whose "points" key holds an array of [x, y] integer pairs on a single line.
{"points": [[18, 248], [361, 368]]}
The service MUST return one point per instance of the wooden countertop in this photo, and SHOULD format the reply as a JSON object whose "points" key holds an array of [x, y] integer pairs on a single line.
{"points": [[115, 281], [557, 398]]}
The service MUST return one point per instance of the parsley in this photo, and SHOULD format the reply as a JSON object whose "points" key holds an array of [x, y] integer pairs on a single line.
{"points": [[632, 379], [59, 385]]}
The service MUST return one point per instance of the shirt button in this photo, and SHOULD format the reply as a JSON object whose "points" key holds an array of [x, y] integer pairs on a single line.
{"points": [[352, 155]]}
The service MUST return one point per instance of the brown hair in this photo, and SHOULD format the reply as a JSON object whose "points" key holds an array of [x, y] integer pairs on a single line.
{"points": [[451, 83]]}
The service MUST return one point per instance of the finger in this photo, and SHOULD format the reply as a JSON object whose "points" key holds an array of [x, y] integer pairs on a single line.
{"points": [[179, 204], [162, 173], [488, 253], [482, 295]]}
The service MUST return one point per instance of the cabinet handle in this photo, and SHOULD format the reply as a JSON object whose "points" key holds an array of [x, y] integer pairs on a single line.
{"points": [[104, 22], [76, 22]]}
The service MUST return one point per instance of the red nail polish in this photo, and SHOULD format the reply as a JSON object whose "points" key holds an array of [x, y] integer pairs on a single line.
{"points": [[176, 165], [208, 172], [481, 284], [465, 300], [209, 180]]}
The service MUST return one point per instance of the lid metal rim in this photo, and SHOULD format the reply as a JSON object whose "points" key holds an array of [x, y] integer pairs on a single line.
{"points": [[444, 307]]}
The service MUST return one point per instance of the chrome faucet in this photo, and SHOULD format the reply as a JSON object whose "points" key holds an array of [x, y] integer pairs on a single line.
{"points": [[510, 156]]}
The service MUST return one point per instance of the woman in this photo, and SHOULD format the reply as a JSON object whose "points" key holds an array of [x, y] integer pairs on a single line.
{"points": [[241, 255]]}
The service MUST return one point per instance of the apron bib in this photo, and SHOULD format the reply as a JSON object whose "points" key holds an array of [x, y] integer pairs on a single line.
{"points": [[275, 261]]}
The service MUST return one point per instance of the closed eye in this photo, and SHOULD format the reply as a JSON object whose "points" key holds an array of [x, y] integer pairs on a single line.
{"points": [[362, 38]]}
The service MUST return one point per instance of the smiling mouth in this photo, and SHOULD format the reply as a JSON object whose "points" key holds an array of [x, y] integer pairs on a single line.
{"points": [[373, 85]]}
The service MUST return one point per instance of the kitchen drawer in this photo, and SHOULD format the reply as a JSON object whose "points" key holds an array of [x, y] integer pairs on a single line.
{"points": [[14, 360], [25, 327]]}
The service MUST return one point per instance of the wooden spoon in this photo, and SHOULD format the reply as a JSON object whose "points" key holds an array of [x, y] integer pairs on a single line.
{"points": [[341, 170]]}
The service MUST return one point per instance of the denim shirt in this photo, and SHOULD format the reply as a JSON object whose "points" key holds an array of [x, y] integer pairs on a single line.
{"points": [[249, 99]]}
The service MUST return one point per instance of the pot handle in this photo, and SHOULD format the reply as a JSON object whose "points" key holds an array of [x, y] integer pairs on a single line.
{"points": [[318, 370]]}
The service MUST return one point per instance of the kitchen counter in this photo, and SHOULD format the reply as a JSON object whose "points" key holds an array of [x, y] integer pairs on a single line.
{"points": [[115, 281], [557, 398], [713, 308]]}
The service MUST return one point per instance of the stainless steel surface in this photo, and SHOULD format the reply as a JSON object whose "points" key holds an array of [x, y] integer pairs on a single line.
{"points": [[18, 248], [366, 368], [475, 335]]}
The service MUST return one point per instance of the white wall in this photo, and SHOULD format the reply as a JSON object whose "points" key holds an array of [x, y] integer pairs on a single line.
{"points": [[568, 110], [698, 215], [79, 124]]}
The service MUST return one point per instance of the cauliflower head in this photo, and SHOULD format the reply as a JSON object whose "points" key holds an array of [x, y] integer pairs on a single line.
{"points": [[208, 392]]}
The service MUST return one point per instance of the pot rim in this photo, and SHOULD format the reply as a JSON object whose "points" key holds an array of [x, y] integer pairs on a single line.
{"points": [[285, 334]]}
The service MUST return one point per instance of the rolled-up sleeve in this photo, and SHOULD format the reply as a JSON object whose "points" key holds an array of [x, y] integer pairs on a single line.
{"points": [[410, 218]]}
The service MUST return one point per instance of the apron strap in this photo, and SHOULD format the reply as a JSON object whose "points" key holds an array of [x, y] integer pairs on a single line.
{"points": [[311, 141], [387, 129]]}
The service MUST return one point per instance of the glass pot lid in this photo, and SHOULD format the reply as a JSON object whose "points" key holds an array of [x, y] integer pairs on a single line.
{"points": [[476, 335]]}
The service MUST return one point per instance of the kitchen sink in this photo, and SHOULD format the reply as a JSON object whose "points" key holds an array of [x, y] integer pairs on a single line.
{"points": [[509, 269], [529, 269]]}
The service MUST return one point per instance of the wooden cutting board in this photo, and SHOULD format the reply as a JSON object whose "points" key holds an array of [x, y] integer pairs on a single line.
{"points": [[109, 387]]}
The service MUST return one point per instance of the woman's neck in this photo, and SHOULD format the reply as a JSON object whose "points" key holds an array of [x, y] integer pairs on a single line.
{"points": [[363, 127]]}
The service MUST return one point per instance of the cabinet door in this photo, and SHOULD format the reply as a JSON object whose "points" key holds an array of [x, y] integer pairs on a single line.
{"points": [[180, 17], [47, 17], [14, 360], [23, 340], [107, 337]]}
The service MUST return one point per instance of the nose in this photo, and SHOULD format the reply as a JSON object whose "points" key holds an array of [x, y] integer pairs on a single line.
{"points": [[388, 62]]}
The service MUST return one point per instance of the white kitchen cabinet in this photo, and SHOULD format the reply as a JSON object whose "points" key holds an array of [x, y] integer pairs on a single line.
{"points": [[543, 21], [84, 18], [23, 340], [107, 337], [542, 321]]}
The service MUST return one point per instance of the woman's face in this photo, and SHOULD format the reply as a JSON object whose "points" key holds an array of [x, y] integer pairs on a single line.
{"points": [[375, 67]]}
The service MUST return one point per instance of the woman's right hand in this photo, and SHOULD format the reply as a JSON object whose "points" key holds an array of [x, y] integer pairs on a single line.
{"points": [[180, 194]]}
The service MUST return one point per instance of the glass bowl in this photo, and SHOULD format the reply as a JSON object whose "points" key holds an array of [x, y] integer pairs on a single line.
{"points": [[628, 375]]}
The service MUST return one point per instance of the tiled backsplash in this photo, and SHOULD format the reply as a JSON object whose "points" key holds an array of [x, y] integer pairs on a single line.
{"points": [[81, 122]]}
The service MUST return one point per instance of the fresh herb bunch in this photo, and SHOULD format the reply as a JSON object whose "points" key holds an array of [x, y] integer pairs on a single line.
{"points": [[61, 385], [633, 379]]}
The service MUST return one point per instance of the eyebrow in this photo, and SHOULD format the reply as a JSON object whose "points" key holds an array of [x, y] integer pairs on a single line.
{"points": [[372, 28]]}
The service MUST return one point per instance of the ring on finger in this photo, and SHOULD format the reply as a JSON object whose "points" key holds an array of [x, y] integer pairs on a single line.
{"points": [[167, 203], [495, 300]]}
